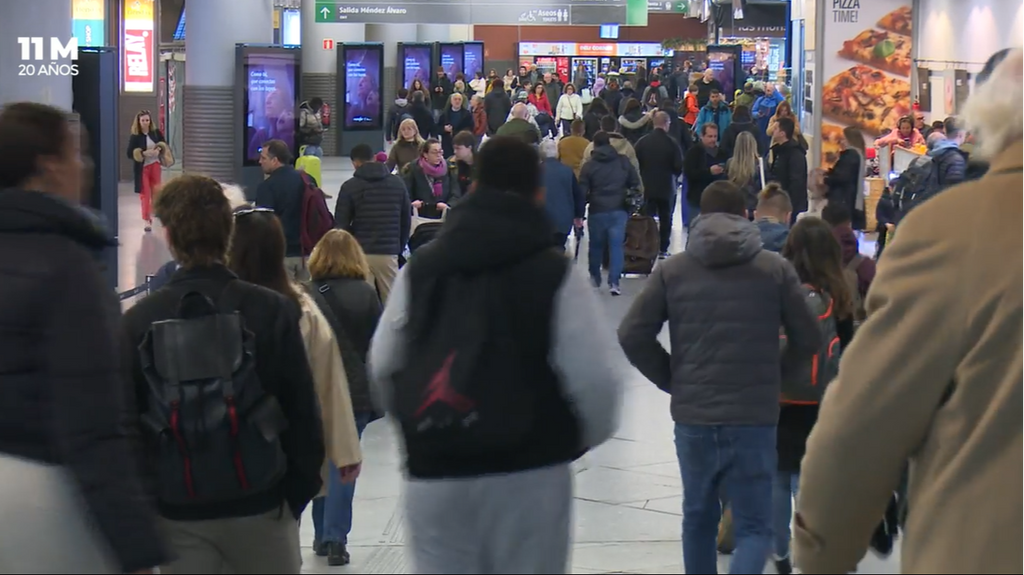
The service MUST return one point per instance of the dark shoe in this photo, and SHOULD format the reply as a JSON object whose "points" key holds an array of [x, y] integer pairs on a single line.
{"points": [[337, 555], [783, 566], [320, 548]]}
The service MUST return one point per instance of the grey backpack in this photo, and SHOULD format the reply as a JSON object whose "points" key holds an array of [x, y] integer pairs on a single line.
{"points": [[804, 381]]}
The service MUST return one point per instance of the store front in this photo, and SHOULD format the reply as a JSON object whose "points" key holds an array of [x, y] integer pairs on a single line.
{"points": [[565, 58], [761, 34]]}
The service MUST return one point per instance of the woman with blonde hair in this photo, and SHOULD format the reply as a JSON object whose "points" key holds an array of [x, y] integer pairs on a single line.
{"points": [[407, 147], [746, 170], [256, 255], [341, 286], [148, 149], [783, 110]]}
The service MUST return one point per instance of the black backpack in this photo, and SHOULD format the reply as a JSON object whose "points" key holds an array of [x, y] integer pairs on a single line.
{"points": [[216, 432], [463, 392], [804, 382], [918, 183]]}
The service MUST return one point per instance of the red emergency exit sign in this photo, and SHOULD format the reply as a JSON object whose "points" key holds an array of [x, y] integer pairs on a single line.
{"points": [[328, 44]]}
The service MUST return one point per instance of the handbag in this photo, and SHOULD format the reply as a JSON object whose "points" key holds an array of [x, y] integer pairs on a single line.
{"points": [[48, 528], [166, 156]]}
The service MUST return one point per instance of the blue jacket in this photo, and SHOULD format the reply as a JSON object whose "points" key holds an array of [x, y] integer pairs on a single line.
{"points": [[764, 108], [950, 163], [773, 234], [722, 116], [563, 198]]}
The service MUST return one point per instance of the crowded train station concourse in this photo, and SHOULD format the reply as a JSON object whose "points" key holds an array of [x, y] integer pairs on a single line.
{"points": [[481, 287]]}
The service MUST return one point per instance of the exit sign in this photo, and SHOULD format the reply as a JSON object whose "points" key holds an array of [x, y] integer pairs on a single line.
{"points": [[328, 44], [325, 13]]}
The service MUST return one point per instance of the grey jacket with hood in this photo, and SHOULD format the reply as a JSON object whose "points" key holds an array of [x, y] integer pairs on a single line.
{"points": [[724, 299]]}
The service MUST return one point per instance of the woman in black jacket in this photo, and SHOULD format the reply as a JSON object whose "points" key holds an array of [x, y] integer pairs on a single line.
{"points": [[845, 180], [817, 257], [592, 118], [148, 149], [455, 118], [61, 382], [433, 186], [634, 123]]}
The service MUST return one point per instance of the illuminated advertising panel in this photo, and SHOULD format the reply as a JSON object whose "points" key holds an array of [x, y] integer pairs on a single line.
{"points": [[87, 22], [138, 45]]}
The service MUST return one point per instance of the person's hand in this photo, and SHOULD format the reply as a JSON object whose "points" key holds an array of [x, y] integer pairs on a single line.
{"points": [[578, 223], [350, 473], [717, 170], [890, 227], [417, 204], [442, 206], [151, 153]]}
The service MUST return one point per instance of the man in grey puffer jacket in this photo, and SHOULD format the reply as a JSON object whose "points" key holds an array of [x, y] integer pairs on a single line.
{"points": [[724, 299]]}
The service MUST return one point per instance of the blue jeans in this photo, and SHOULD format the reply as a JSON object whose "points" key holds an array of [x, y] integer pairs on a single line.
{"points": [[692, 211], [742, 459], [786, 483], [332, 515], [607, 229], [314, 151]]}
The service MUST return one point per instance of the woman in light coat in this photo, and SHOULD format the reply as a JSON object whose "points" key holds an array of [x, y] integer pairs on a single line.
{"points": [[569, 107]]}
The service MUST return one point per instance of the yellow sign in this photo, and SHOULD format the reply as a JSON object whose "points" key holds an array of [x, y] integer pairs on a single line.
{"points": [[277, 19], [87, 9], [138, 10]]}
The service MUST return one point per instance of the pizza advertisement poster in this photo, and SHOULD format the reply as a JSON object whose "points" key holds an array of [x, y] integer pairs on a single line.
{"points": [[866, 63]]}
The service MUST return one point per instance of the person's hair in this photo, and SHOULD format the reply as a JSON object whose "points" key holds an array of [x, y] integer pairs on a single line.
{"points": [[742, 166], [707, 126], [742, 112], [854, 138], [508, 164], [403, 93], [278, 150], [939, 125], [608, 124], [361, 153], [783, 105], [667, 104], [425, 146], [787, 127], [257, 251], [723, 197], [418, 97], [533, 90], [415, 130], [598, 106], [631, 104], [315, 102], [440, 69], [716, 92], [235, 195], [815, 253], [549, 149], [198, 218], [905, 120], [578, 127], [662, 119], [836, 214], [952, 127], [498, 84], [567, 87], [30, 132], [137, 126], [465, 139], [602, 139], [338, 255], [774, 200], [462, 99], [694, 88], [993, 112]]}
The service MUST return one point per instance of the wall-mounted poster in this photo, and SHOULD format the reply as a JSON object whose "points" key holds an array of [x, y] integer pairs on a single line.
{"points": [[866, 66]]}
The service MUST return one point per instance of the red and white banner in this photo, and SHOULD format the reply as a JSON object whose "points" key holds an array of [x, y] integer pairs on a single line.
{"points": [[138, 60]]}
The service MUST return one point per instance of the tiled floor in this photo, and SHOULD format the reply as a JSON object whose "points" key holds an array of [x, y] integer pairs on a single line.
{"points": [[628, 491]]}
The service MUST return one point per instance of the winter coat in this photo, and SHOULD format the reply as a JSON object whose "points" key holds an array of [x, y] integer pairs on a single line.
{"points": [[661, 164], [607, 179], [374, 206], [789, 169]]}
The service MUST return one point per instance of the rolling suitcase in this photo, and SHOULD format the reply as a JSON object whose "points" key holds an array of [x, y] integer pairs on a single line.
{"points": [[642, 244], [311, 165]]}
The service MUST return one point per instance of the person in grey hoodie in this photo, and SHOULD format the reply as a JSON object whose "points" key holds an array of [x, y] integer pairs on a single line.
{"points": [[724, 299]]}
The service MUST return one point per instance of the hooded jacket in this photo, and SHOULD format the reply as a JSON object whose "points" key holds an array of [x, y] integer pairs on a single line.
{"points": [[607, 179], [621, 145], [374, 206], [399, 109], [577, 370], [738, 125], [60, 370], [634, 125], [950, 163], [721, 116], [724, 299]]}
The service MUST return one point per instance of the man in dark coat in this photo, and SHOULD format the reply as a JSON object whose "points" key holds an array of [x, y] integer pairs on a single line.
{"points": [[789, 165], [661, 164]]}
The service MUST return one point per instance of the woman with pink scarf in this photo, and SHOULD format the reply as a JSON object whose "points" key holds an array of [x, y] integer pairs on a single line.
{"points": [[432, 184]]}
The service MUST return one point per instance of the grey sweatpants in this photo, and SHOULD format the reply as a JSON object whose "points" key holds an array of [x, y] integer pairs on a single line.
{"points": [[515, 523], [267, 543]]}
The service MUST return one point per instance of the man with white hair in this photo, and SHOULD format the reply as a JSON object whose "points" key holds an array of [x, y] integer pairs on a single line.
{"points": [[934, 378], [564, 201], [519, 126]]}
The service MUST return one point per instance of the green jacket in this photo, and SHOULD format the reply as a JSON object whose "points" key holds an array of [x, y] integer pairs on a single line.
{"points": [[521, 129]]}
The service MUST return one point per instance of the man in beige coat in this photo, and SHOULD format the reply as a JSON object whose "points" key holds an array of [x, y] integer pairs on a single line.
{"points": [[933, 378]]}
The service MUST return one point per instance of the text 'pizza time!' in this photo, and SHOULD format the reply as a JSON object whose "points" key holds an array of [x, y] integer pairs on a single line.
{"points": [[846, 11]]}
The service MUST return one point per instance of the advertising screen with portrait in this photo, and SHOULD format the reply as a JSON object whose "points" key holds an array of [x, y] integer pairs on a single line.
{"points": [[474, 59], [452, 59], [270, 99], [363, 109], [723, 62], [416, 64]]}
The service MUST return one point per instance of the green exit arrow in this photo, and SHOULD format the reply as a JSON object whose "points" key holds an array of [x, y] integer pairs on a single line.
{"points": [[324, 12]]}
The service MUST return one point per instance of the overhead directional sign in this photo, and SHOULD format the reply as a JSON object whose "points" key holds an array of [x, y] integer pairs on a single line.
{"points": [[531, 12], [674, 6]]}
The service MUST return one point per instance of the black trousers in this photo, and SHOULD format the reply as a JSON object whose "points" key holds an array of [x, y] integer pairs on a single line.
{"points": [[662, 208]]}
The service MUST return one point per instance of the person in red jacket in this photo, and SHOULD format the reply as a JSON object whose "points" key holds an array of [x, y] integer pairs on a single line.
{"points": [[539, 99], [690, 109]]}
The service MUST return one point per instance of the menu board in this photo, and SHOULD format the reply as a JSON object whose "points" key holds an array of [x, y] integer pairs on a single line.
{"points": [[866, 62]]}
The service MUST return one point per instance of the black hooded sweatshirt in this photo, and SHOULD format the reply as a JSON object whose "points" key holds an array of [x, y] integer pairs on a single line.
{"points": [[498, 244]]}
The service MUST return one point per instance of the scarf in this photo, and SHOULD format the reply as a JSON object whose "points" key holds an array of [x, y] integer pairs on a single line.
{"points": [[434, 174]]}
